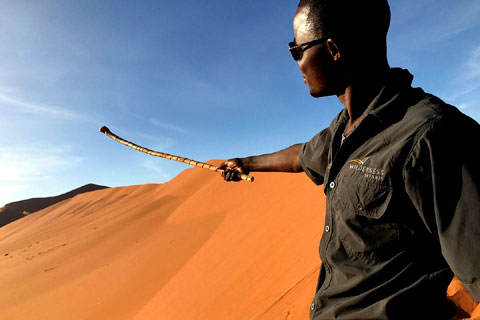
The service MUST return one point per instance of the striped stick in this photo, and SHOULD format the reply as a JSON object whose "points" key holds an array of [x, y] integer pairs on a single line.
{"points": [[110, 134]]}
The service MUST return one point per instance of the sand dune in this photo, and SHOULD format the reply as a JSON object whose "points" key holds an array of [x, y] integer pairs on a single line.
{"points": [[16, 210], [193, 248]]}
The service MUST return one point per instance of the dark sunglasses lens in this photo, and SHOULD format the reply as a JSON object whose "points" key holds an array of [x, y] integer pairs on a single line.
{"points": [[294, 50], [296, 54]]}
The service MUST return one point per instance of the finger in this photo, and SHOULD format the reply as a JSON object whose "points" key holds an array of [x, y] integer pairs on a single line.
{"points": [[236, 176], [223, 166], [226, 175]]}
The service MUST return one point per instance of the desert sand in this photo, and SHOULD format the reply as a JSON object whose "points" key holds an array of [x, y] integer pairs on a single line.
{"points": [[193, 248], [19, 209]]}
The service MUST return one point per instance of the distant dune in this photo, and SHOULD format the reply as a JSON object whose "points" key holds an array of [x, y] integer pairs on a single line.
{"points": [[16, 210], [194, 248]]}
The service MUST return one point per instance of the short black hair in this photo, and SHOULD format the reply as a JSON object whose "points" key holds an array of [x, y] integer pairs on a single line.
{"points": [[349, 21]]}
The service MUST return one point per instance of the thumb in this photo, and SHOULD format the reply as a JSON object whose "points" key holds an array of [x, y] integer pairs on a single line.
{"points": [[223, 166]]}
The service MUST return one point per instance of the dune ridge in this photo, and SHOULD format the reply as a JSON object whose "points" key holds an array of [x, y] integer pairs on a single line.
{"points": [[17, 210], [193, 248]]}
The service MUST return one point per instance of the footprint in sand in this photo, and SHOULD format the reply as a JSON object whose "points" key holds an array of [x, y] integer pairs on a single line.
{"points": [[41, 253]]}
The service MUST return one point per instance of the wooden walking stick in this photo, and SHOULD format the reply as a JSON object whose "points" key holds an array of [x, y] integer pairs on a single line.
{"points": [[110, 134]]}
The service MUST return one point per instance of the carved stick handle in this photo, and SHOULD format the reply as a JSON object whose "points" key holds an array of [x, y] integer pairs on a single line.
{"points": [[208, 166]]}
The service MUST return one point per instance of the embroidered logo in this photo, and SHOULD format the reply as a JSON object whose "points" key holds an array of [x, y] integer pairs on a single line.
{"points": [[369, 173], [360, 162]]}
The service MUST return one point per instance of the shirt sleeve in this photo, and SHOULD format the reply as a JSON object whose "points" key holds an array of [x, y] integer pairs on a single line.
{"points": [[314, 156], [442, 178]]}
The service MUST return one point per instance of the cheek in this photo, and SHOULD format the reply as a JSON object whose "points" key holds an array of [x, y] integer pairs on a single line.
{"points": [[304, 65], [315, 69], [312, 71], [311, 63]]}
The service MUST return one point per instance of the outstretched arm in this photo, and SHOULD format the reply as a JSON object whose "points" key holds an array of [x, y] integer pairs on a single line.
{"points": [[286, 160]]}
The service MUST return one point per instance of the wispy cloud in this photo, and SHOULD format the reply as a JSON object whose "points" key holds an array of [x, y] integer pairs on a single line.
{"points": [[153, 166], [153, 142], [467, 79], [465, 86], [8, 193], [168, 126], [35, 163], [473, 64], [416, 29], [26, 171], [465, 16], [19, 105], [162, 124]]}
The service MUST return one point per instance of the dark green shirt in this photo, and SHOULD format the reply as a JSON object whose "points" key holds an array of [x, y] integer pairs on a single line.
{"points": [[402, 207]]}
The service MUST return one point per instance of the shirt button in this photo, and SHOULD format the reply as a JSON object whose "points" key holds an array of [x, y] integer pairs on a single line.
{"points": [[332, 185], [312, 306], [327, 228]]}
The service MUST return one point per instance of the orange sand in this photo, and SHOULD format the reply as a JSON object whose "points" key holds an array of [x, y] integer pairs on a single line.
{"points": [[193, 248]]}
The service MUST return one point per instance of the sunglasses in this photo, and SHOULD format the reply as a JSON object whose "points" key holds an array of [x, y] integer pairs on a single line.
{"points": [[297, 50]]}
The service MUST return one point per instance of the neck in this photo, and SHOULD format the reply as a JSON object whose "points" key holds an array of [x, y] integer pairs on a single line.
{"points": [[360, 92]]}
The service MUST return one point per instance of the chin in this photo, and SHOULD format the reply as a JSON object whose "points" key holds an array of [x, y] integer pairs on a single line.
{"points": [[319, 93]]}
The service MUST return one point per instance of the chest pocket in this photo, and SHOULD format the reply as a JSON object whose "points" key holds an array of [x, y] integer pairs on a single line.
{"points": [[367, 230], [370, 200]]}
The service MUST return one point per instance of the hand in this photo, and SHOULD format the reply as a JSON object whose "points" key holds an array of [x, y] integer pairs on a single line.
{"points": [[233, 168]]}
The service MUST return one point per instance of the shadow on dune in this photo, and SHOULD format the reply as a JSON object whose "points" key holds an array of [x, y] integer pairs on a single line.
{"points": [[19, 209]]}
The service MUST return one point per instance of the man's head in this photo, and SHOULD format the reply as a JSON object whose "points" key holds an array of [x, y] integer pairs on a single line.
{"points": [[349, 21], [355, 39]]}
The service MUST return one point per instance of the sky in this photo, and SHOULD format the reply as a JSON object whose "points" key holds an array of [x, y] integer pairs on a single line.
{"points": [[199, 79]]}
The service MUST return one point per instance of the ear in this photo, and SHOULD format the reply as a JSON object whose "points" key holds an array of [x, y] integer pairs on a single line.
{"points": [[333, 49]]}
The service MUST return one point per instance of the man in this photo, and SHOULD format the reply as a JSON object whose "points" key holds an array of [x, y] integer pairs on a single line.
{"points": [[398, 170]]}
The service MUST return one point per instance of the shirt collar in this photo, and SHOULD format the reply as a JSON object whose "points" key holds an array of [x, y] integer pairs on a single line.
{"points": [[388, 103]]}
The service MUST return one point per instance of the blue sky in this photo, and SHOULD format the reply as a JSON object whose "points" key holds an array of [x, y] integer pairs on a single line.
{"points": [[200, 79]]}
